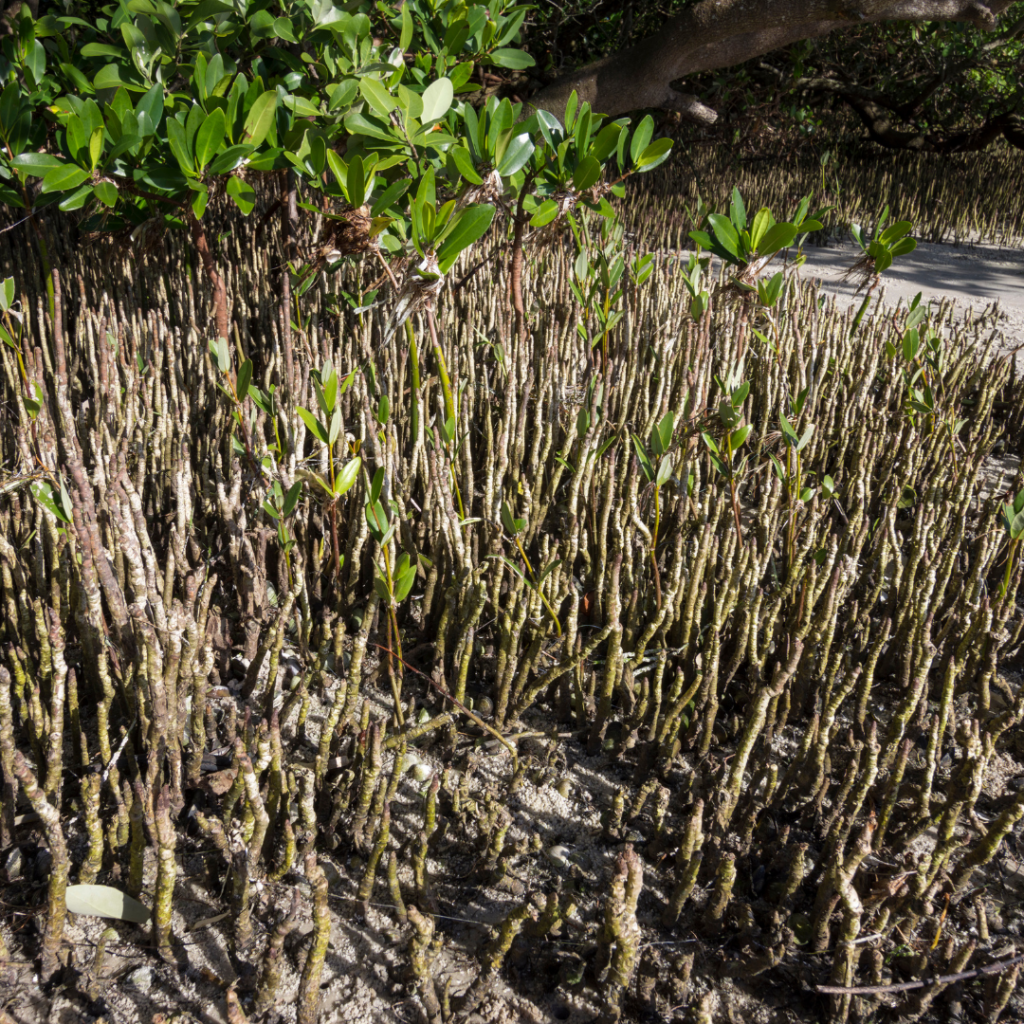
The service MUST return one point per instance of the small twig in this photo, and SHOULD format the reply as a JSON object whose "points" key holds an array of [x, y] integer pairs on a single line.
{"points": [[117, 753], [462, 707], [464, 280], [906, 986]]}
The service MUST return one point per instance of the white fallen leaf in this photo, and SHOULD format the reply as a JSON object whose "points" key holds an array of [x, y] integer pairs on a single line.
{"points": [[104, 901]]}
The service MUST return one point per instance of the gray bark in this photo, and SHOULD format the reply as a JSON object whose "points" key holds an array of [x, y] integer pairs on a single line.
{"points": [[719, 33]]}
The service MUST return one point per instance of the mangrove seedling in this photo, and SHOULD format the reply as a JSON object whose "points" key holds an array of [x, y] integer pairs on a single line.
{"points": [[658, 471], [791, 474], [1012, 522], [328, 391], [515, 527], [723, 452]]}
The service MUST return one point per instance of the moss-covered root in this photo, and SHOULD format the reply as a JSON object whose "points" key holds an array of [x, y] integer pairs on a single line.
{"points": [[270, 977], [989, 846], [420, 956], [166, 873], [309, 984], [234, 1012], [373, 861], [396, 888], [688, 861], [725, 877], [56, 907], [495, 953], [621, 931], [96, 983], [755, 723], [94, 826]]}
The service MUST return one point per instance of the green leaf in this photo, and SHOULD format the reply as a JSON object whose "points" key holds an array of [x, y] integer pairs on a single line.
{"points": [[244, 377], [770, 290], [381, 102], [390, 195], [407, 28], [356, 181], [380, 585], [656, 153], [903, 246], [517, 153], [459, 158], [377, 485], [739, 395], [778, 236], [110, 78], [548, 570], [102, 50], [470, 225], [377, 520], [546, 213], [641, 138], [178, 142], [587, 173], [104, 901], [405, 576], [152, 105], [229, 159], [106, 192], [221, 356], [508, 520], [737, 211], [737, 437], [7, 297], [76, 200], [42, 491], [242, 194], [509, 57], [883, 258], [292, 498], [895, 232], [37, 165], [348, 476], [437, 100], [664, 472], [511, 565], [787, 428], [763, 220], [665, 428], [725, 234], [606, 141], [383, 409], [64, 178], [315, 427], [260, 118], [645, 460], [1015, 525]]}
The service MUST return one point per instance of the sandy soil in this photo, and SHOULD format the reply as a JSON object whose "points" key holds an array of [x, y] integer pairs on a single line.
{"points": [[973, 276]]}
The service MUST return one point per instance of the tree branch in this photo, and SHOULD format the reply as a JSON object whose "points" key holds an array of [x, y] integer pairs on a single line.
{"points": [[719, 33]]}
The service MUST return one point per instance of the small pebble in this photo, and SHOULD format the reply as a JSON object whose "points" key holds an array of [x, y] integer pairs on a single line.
{"points": [[141, 978], [558, 855]]}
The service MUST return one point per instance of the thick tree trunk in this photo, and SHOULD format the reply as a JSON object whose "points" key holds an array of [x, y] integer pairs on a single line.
{"points": [[719, 33]]}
